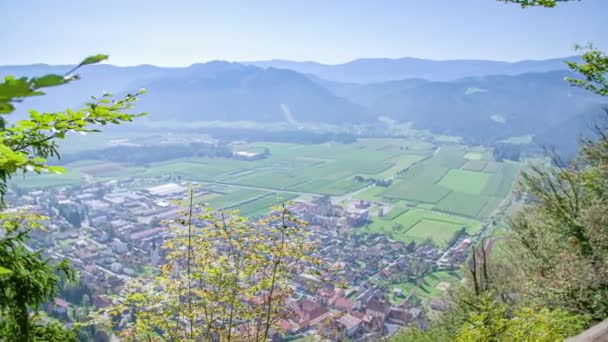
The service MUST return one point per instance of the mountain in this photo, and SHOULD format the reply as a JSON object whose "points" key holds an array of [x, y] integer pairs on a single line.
{"points": [[482, 108], [367, 94], [235, 92], [370, 70], [564, 136], [95, 79], [209, 91]]}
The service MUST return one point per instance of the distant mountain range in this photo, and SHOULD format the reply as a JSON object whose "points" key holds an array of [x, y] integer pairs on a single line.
{"points": [[372, 70], [483, 101]]}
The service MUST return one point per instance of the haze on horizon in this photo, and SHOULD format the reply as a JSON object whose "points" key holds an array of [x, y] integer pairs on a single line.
{"points": [[184, 32]]}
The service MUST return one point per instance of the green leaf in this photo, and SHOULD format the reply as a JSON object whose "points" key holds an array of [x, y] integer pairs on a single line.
{"points": [[4, 271], [94, 59], [55, 169], [48, 81], [6, 108]]}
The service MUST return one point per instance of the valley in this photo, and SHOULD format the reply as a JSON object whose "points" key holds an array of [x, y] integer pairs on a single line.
{"points": [[426, 198]]}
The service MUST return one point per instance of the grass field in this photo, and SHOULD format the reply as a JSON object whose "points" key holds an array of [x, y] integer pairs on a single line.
{"points": [[475, 165], [396, 211], [259, 207], [500, 182], [468, 182], [236, 197], [429, 287], [399, 163], [35, 181], [438, 226], [372, 194], [102, 169], [462, 204], [439, 231], [491, 205], [473, 156], [492, 167], [416, 191]]}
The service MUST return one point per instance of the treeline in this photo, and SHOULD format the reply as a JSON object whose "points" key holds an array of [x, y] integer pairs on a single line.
{"points": [[370, 180], [141, 155], [286, 136]]}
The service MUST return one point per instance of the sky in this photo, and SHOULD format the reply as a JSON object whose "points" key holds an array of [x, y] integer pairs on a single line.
{"points": [[182, 32]]}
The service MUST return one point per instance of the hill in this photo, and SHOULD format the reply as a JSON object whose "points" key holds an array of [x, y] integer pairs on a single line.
{"points": [[564, 136], [209, 91], [479, 108], [232, 91]]}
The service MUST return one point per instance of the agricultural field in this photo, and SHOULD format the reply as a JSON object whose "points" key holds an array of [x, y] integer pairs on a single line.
{"points": [[456, 187], [439, 231], [235, 197], [34, 181], [435, 188], [462, 204], [261, 206], [468, 182], [419, 224], [431, 286]]}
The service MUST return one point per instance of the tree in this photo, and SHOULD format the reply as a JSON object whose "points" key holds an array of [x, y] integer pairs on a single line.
{"points": [[553, 281], [543, 3], [594, 69], [26, 279], [225, 280], [26, 144], [493, 321]]}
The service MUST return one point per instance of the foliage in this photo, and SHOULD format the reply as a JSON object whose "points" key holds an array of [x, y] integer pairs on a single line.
{"points": [[25, 144], [558, 244], [225, 280], [594, 69], [492, 321], [486, 318], [543, 3], [553, 281], [28, 281]]}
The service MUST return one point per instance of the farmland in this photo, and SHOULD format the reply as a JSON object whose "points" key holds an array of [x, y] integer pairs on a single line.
{"points": [[435, 189], [420, 224]]}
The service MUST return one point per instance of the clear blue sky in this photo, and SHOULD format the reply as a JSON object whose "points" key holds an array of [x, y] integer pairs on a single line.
{"points": [[182, 32]]}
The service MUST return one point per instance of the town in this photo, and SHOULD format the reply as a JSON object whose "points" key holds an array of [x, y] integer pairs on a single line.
{"points": [[111, 234]]}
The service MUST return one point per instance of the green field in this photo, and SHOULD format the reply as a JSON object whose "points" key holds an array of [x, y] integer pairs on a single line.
{"points": [[263, 205], [428, 287], [475, 165], [473, 156], [399, 163], [462, 204], [438, 226], [468, 182], [234, 198], [31, 181], [395, 212], [500, 182], [439, 231], [416, 191]]}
